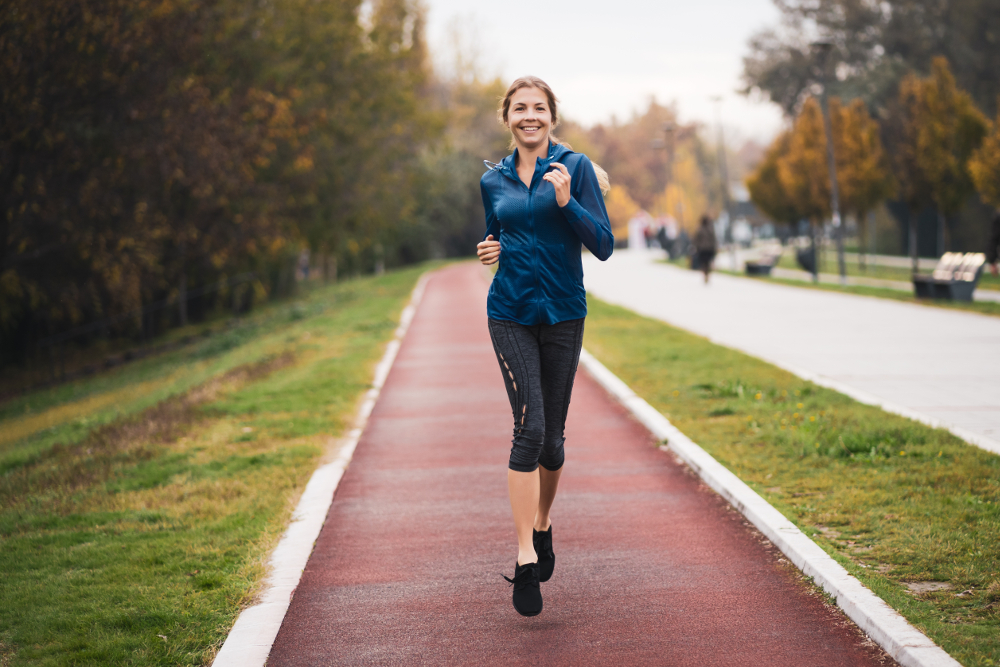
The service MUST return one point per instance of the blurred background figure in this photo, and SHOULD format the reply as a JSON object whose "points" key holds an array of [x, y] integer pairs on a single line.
{"points": [[705, 245]]}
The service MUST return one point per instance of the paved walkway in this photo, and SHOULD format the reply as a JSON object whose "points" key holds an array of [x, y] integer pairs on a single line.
{"points": [[652, 568], [940, 364]]}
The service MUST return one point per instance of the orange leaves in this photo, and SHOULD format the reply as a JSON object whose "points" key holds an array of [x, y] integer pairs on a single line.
{"points": [[803, 169], [939, 127], [984, 167]]}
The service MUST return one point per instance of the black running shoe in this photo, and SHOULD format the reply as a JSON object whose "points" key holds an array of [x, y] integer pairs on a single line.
{"points": [[527, 592], [546, 558]]}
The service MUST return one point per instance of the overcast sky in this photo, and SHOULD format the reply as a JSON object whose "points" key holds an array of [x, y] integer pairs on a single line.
{"points": [[609, 57]]}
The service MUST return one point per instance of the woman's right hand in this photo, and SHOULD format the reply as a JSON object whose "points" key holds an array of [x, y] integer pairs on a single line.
{"points": [[488, 251]]}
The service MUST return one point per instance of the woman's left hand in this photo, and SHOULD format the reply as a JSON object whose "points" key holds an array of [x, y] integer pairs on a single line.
{"points": [[560, 181]]}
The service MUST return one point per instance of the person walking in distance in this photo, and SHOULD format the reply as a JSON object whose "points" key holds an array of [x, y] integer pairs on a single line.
{"points": [[542, 203], [705, 245]]}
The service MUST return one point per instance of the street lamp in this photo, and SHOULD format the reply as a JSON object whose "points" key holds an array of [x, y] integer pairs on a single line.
{"points": [[724, 176], [823, 50]]}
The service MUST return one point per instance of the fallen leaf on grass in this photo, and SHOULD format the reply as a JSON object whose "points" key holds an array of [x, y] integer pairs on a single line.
{"points": [[163, 637], [964, 594]]}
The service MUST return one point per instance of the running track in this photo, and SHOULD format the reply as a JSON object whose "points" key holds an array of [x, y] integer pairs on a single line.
{"points": [[651, 567]]}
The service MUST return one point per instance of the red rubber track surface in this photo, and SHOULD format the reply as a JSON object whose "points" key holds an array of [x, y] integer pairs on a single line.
{"points": [[652, 568]]}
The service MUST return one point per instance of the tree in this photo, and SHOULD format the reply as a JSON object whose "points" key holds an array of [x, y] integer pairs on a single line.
{"points": [[685, 198], [984, 166], [621, 208], [876, 44], [766, 189], [936, 128], [804, 174], [862, 170]]}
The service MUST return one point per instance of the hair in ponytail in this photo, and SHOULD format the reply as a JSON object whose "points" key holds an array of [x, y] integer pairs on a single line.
{"points": [[535, 82]]}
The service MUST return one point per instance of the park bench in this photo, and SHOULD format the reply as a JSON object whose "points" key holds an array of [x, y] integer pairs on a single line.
{"points": [[954, 277], [762, 267]]}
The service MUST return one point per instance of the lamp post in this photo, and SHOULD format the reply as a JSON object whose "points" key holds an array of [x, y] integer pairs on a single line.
{"points": [[724, 176], [823, 49]]}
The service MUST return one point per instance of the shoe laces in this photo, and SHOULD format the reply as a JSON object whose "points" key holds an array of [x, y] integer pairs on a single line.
{"points": [[523, 578]]}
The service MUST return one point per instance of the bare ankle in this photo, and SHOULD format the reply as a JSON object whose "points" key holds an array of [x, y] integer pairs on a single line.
{"points": [[523, 558]]}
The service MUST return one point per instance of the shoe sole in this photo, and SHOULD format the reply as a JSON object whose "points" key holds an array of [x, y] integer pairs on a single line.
{"points": [[529, 615]]}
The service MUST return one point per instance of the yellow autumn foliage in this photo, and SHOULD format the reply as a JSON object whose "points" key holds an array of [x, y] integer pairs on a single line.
{"points": [[621, 207]]}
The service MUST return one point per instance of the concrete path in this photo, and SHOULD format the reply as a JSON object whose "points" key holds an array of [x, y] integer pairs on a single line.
{"points": [[938, 365], [652, 568]]}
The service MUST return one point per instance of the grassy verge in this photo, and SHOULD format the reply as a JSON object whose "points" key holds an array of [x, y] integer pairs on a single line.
{"points": [[134, 537], [981, 307], [829, 265], [894, 501]]}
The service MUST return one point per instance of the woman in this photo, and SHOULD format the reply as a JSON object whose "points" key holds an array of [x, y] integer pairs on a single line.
{"points": [[541, 203], [705, 245]]}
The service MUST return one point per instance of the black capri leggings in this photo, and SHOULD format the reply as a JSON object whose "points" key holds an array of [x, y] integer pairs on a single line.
{"points": [[538, 364]]}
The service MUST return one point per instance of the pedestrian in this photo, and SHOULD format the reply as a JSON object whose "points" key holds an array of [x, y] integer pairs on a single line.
{"points": [[705, 245], [542, 202], [993, 249]]}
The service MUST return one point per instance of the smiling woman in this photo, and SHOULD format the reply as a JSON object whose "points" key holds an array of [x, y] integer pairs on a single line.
{"points": [[543, 203]]}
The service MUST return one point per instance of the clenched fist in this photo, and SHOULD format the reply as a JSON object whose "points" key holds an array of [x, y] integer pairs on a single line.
{"points": [[488, 251]]}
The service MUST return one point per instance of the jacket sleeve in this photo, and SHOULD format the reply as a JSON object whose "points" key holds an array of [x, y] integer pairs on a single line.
{"points": [[586, 213], [492, 222]]}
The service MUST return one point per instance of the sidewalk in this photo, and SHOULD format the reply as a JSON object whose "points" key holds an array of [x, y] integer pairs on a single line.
{"points": [[652, 568], [936, 364]]}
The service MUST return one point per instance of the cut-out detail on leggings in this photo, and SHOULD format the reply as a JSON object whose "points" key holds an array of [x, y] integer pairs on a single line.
{"points": [[510, 374], [515, 386], [524, 409], [506, 366]]}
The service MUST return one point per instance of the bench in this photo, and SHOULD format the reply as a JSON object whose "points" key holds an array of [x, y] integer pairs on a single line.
{"points": [[762, 266], [954, 278]]}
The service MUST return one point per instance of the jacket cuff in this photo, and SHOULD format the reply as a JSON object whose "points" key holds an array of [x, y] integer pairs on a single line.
{"points": [[574, 209]]}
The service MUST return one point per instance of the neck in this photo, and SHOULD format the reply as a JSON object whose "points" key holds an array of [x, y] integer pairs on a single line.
{"points": [[527, 156]]}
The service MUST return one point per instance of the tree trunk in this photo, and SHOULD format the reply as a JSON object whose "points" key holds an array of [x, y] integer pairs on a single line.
{"points": [[913, 242], [330, 269], [182, 298], [941, 233], [873, 241], [815, 249], [864, 229], [841, 263]]}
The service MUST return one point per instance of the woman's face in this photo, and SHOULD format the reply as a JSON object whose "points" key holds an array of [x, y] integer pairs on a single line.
{"points": [[529, 118]]}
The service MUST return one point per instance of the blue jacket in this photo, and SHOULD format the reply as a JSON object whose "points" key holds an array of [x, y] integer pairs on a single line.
{"points": [[540, 279]]}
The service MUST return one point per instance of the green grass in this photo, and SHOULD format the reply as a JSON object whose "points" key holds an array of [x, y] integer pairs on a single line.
{"points": [[982, 307], [890, 499], [829, 265], [134, 532]]}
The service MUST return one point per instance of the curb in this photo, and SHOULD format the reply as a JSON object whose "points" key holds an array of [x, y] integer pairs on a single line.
{"points": [[907, 645], [252, 636]]}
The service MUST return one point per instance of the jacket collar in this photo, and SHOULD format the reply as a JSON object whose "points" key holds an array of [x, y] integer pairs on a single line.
{"points": [[508, 166]]}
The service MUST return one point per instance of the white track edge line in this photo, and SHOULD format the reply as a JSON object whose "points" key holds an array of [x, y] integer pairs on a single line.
{"points": [[250, 640], [907, 645]]}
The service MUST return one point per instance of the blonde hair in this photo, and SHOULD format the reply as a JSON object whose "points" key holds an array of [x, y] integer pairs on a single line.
{"points": [[534, 82]]}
